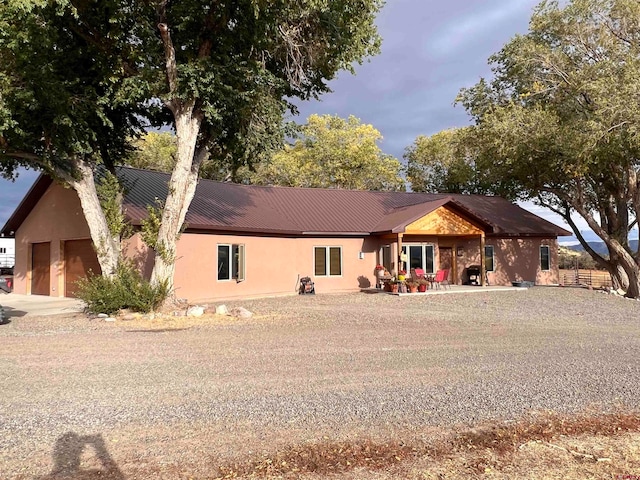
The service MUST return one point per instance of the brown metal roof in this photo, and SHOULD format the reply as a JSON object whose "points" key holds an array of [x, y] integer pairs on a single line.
{"points": [[306, 211]]}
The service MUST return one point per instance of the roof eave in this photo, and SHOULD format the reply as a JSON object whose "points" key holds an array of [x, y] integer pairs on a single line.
{"points": [[22, 211]]}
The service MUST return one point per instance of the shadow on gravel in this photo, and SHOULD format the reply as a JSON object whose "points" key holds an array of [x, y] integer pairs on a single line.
{"points": [[11, 312], [68, 459]]}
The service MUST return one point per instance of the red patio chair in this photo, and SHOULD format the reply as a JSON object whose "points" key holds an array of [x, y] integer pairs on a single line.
{"points": [[417, 274], [442, 278]]}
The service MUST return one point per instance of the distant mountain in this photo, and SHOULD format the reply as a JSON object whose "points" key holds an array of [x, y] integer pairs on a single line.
{"points": [[600, 247]]}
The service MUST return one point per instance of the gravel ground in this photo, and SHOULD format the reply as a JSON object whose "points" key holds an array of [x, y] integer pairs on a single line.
{"points": [[177, 399]]}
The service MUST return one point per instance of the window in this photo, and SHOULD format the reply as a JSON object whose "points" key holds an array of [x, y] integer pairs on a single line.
{"points": [[419, 256], [327, 261], [488, 258], [231, 262], [545, 258]]}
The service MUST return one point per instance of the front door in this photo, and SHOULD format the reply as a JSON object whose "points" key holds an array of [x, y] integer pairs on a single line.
{"points": [[446, 258]]}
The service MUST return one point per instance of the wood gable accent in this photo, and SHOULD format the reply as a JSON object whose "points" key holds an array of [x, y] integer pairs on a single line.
{"points": [[442, 221]]}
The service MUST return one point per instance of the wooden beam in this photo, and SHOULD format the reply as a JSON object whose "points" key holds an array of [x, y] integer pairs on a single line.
{"points": [[400, 266], [483, 266], [454, 264]]}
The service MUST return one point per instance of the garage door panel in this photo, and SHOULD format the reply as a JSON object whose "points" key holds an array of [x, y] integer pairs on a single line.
{"points": [[79, 260], [40, 268]]}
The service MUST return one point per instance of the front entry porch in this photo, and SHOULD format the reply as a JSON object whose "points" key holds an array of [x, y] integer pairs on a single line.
{"points": [[441, 240]]}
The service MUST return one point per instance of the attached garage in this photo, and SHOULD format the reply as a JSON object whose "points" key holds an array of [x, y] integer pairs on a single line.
{"points": [[79, 260], [40, 268]]}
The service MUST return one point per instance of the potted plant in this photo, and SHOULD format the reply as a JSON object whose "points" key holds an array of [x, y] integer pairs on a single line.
{"points": [[379, 270], [423, 285], [412, 285], [394, 284], [402, 275]]}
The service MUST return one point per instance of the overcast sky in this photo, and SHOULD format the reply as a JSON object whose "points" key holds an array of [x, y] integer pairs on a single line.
{"points": [[431, 49]]}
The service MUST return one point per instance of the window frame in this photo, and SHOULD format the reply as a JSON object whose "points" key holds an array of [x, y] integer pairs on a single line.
{"points": [[425, 258], [548, 258], [327, 261], [236, 256], [493, 258]]}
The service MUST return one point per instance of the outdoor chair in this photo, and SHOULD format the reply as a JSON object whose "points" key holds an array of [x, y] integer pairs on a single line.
{"points": [[417, 274], [442, 278]]}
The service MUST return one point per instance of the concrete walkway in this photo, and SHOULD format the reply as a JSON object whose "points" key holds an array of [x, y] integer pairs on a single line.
{"points": [[452, 289], [16, 305]]}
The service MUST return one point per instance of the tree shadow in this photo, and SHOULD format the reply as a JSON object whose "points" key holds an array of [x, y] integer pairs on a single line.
{"points": [[67, 459]]}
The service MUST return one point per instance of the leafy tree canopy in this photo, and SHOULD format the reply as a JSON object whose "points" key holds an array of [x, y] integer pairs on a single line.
{"points": [[332, 152], [559, 122], [444, 162]]}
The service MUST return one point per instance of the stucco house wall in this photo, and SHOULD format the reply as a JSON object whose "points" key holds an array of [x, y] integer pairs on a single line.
{"points": [[273, 265], [515, 259], [275, 260]]}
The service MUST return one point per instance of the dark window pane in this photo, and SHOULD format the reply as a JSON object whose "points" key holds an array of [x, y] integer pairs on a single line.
{"points": [[544, 258], [223, 262], [488, 258], [429, 260], [335, 263], [235, 262], [320, 261], [415, 256]]}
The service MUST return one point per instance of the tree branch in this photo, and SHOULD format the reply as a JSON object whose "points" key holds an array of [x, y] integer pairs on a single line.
{"points": [[170, 63]]}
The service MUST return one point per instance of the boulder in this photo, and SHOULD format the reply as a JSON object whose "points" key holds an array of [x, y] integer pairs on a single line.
{"points": [[222, 310], [240, 312], [195, 311]]}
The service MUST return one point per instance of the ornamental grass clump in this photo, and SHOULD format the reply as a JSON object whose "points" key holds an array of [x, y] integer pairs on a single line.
{"points": [[126, 289]]}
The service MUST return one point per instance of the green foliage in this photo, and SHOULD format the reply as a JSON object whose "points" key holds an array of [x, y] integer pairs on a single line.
{"points": [[560, 122], [154, 151], [332, 152], [126, 289], [149, 233], [110, 193], [444, 162]]}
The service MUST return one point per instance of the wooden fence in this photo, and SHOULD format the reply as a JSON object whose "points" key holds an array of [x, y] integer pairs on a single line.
{"points": [[581, 278]]}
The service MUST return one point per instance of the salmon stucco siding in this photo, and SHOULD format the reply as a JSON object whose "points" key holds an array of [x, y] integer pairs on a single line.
{"points": [[247, 241]]}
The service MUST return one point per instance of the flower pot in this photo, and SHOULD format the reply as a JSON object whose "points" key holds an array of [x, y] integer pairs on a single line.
{"points": [[387, 287], [394, 288], [413, 289], [422, 288]]}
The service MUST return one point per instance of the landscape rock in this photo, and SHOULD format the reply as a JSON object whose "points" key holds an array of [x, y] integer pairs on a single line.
{"points": [[109, 319], [103, 315], [195, 311], [222, 310], [240, 312]]}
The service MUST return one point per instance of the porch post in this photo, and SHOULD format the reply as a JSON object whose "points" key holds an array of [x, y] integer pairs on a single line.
{"points": [[454, 264], [483, 267], [399, 253]]}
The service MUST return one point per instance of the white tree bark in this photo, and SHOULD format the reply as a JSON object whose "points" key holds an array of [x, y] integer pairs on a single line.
{"points": [[182, 188], [106, 245]]}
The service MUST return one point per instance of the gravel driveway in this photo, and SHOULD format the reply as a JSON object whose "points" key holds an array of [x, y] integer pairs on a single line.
{"points": [[177, 401]]}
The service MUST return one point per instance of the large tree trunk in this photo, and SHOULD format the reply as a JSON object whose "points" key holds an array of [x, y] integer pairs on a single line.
{"points": [[182, 187], [107, 246]]}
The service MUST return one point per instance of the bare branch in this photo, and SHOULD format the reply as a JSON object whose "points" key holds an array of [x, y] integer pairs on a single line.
{"points": [[170, 58]]}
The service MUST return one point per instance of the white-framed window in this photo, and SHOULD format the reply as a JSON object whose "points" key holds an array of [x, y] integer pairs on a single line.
{"points": [[545, 258], [489, 265], [419, 256], [327, 261], [231, 262]]}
